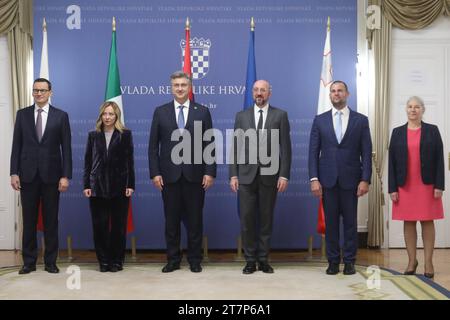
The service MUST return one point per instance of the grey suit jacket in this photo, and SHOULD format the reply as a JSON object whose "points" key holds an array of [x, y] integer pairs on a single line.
{"points": [[276, 144]]}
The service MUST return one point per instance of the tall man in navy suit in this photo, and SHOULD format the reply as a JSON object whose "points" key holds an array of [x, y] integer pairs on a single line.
{"points": [[182, 183], [340, 167], [41, 166]]}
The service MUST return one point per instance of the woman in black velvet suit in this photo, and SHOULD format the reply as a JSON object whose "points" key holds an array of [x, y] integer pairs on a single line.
{"points": [[109, 184]]}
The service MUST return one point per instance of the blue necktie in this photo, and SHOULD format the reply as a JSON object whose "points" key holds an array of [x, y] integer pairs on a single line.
{"points": [[338, 126], [181, 118]]}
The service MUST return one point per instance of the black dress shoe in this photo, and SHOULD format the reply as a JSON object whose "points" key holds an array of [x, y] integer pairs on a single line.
{"points": [[349, 269], [429, 275], [27, 269], [196, 268], [249, 268], [170, 267], [104, 268], [265, 267], [333, 268], [51, 268], [116, 267], [413, 271], [113, 268]]}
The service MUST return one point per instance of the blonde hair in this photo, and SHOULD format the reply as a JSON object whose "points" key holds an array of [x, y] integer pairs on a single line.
{"points": [[117, 124]]}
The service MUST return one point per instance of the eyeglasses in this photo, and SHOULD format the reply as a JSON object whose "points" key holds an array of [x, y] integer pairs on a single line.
{"points": [[37, 91]]}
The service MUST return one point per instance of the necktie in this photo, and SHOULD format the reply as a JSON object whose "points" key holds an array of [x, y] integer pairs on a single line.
{"points": [[338, 126], [39, 124], [181, 118], [258, 128], [260, 121]]}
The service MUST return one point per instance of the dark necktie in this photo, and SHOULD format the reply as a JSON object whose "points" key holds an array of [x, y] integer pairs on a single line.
{"points": [[260, 121], [39, 124], [258, 128]]}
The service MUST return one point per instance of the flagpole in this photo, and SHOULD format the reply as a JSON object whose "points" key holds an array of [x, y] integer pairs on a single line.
{"points": [[113, 93], [248, 103], [251, 67], [187, 57], [323, 105], [43, 73]]}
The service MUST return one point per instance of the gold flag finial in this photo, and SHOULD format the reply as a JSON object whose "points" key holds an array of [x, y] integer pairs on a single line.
{"points": [[44, 25], [328, 24], [188, 24], [114, 24], [252, 24]]}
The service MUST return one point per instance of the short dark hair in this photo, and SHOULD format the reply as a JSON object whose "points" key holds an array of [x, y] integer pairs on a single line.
{"points": [[339, 81], [44, 80], [180, 75]]}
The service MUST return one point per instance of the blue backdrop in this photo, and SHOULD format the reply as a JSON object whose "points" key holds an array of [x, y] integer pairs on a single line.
{"points": [[289, 35]]}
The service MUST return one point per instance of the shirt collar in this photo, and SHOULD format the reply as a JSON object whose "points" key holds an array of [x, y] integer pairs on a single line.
{"points": [[44, 108], [185, 104], [345, 111], [264, 109]]}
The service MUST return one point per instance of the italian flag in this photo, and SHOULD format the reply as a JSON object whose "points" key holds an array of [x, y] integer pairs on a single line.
{"points": [[114, 94]]}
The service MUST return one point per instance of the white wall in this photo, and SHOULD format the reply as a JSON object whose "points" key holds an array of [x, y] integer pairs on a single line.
{"points": [[7, 197]]}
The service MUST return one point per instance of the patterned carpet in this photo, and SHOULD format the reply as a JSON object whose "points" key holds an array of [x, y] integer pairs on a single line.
{"points": [[221, 281]]}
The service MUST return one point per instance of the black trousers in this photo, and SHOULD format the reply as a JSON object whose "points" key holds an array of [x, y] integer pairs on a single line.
{"points": [[109, 220], [31, 194], [256, 206], [183, 201]]}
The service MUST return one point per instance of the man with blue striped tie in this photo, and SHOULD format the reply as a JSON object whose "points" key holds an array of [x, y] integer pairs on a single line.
{"points": [[182, 185], [340, 167]]}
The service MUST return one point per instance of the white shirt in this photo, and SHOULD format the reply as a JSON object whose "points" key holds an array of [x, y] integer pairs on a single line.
{"points": [[44, 115], [344, 116], [185, 110], [265, 110], [108, 136]]}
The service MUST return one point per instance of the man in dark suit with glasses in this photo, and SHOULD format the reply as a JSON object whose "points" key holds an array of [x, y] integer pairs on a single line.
{"points": [[41, 166]]}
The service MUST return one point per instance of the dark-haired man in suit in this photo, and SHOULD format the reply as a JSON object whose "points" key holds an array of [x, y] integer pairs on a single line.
{"points": [[340, 167], [182, 185], [41, 166]]}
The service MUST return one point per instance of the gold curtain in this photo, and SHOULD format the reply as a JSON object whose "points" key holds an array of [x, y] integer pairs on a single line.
{"points": [[16, 21], [381, 49], [9, 15], [414, 14]]}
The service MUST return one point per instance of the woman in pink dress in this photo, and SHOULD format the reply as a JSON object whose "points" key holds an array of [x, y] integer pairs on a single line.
{"points": [[416, 181]]}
